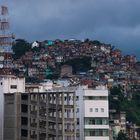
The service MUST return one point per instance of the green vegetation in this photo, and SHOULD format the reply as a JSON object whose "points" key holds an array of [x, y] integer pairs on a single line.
{"points": [[51, 73], [32, 80], [122, 136], [20, 47], [82, 64], [132, 107]]}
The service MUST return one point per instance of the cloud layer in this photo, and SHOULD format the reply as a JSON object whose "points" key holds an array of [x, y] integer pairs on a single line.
{"points": [[115, 22]]}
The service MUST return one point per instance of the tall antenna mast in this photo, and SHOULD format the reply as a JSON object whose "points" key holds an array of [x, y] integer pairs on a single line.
{"points": [[5, 36], [5, 39]]}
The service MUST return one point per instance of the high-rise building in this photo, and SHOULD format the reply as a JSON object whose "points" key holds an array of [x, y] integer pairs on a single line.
{"points": [[8, 84], [93, 113], [48, 115], [70, 113]]}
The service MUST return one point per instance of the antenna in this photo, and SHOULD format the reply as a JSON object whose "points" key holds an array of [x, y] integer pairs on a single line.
{"points": [[5, 38]]}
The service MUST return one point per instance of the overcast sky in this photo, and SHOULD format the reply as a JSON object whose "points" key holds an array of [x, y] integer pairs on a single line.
{"points": [[109, 21]]}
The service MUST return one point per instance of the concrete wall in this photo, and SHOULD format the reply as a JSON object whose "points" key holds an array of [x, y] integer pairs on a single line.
{"points": [[9, 118], [12, 116], [80, 114], [6, 83]]}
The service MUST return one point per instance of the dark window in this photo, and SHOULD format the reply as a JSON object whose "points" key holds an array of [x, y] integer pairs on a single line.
{"points": [[24, 108], [77, 121], [24, 120], [77, 98], [96, 132], [24, 133], [96, 121], [14, 86], [24, 97], [95, 98]]}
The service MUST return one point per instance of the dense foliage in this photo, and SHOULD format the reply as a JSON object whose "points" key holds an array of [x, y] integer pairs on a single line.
{"points": [[122, 136], [20, 47], [82, 64], [132, 107]]}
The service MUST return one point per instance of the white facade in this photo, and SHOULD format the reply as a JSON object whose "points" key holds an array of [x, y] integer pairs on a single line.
{"points": [[93, 113], [8, 84]]}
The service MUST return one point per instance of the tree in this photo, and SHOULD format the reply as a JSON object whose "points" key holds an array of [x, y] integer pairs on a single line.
{"points": [[32, 80], [122, 136], [20, 47], [116, 103], [96, 42], [81, 64]]}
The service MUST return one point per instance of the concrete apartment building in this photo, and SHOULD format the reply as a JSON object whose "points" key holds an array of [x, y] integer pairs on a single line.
{"points": [[70, 113], [93, 113], [8, 84], [48, 115]]}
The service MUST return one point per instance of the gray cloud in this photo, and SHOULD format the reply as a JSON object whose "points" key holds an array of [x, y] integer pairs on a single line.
{"points": [[115, 22]]}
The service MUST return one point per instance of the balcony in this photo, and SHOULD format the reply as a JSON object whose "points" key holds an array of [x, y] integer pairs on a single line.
{"points": [[52, 131], [34, 102], [23, 138], [34, 125], [33, 137], [42, 125], [52, 105], [52, 119], [68, 106], [69, 119], [69, 132], [34, 113], [42, 103]]}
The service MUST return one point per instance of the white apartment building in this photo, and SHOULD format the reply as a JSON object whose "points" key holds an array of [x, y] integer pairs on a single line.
{"points": [[8, 84], [93, 113]]}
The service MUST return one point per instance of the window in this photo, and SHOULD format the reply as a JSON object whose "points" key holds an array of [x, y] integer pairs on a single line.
{"points": [[24, 108], [96, 121], [95, 97], [96, 132], [24, 133], [91, 110], [77, 110], [33, 97], [102, 109], [24, 97], [24, 120], [77, 98], [13, 86], [90, 121], [96, 109]]}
